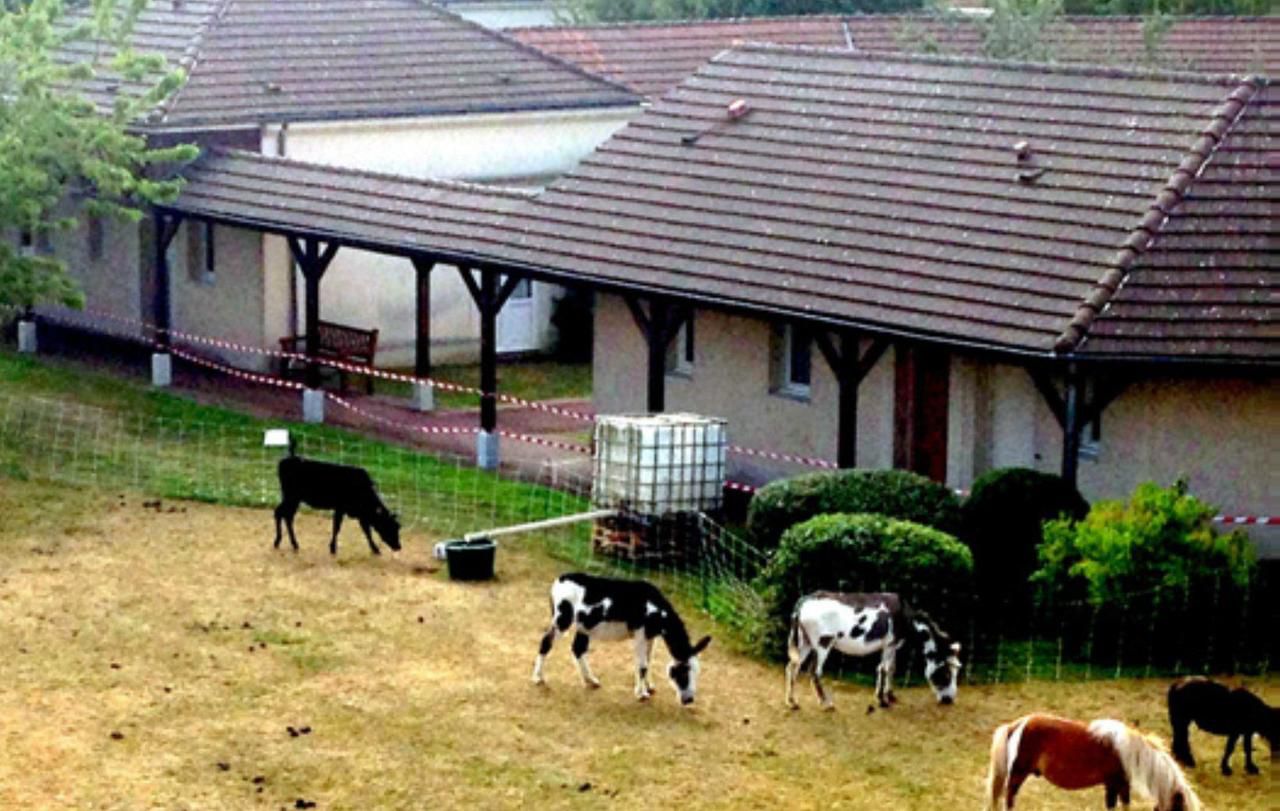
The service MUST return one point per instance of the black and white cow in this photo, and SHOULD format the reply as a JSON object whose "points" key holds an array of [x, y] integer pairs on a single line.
{"points": [[861, 624], [610, 609]]}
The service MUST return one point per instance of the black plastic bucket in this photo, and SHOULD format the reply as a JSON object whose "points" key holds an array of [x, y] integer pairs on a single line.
{"points": [[471, 560]]}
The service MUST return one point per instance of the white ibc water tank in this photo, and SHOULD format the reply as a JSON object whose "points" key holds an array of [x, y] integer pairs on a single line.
{"points": [[660, 463]]}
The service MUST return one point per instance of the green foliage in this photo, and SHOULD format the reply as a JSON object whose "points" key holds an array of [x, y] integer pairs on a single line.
{"points": [[1162, 538], [58, 149], [851, 552], [894, 493], [587, 11], [1172, 7], [1019, 30], [1002, 523]]}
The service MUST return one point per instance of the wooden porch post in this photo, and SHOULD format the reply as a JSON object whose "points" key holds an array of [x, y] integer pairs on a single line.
{"points": [[849, 367], [313, 259], [1071, 427], [490, 294], [166, 228], [659, 326], [423, 394]]}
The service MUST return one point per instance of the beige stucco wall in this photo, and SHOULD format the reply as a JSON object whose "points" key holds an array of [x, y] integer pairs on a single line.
{"points": [[369, 290], [229, 303], [731, 378], [112, 283], [1222, 433]]}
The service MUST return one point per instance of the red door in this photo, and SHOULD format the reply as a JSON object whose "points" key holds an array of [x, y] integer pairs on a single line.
{"points": [[920, 411]]}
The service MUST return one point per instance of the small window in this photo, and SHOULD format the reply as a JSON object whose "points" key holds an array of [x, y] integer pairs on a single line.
{"points": [[680, 351], [97, 237], [793, 363], [200, 251], [26, 245]]}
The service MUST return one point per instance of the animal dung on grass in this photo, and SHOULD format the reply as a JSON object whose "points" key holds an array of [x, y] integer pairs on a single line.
{"points": [[610, 610]]}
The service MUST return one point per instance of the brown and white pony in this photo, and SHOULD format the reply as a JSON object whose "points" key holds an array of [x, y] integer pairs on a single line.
{"points": [[1073, 755]]}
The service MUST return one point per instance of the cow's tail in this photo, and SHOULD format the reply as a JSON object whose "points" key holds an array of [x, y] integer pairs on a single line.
{"points": [[1004, 751], [1147, 765], [798, 639]]}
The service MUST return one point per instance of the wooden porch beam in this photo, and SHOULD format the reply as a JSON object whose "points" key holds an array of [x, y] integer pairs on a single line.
{"points": [[422, 337], [166, 228]]}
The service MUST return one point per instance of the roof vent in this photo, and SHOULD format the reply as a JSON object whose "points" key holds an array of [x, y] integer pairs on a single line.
{"points": [[272, 87], [736, 109], [177, 5], [1023, 150]]}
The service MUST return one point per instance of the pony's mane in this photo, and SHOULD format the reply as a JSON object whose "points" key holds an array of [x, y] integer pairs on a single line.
{"points": [[1147, 762]]}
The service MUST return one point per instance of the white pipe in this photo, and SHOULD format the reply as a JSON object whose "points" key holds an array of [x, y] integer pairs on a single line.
{"points": [[544, 524]]}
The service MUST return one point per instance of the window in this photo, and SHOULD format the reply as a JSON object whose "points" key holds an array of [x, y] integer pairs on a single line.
{"points": [[200, 254], [793, 364], [680, 350]]}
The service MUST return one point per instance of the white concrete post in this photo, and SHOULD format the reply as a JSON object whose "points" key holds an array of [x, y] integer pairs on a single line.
{"points": [[424, 397], [161, 369], [487, 450], [312, 405], [27, 336]]}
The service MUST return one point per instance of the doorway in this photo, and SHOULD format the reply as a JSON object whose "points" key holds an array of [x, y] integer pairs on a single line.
{"points": [[921, 383]]}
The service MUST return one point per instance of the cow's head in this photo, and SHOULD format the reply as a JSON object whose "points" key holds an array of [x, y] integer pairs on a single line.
{"points": [[941, 668], [388, 527], [684, 672]]}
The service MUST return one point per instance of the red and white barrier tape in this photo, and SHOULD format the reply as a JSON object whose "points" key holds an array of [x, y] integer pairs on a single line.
{"points": [[252, 377], [784, 457], [1259, 520], [424, 429], [547, 443]]}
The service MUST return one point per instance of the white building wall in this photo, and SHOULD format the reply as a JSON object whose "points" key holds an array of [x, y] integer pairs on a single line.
{"points": [[369, 290]]}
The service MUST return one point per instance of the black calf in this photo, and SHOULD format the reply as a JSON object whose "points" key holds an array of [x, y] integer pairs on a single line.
{"points": [[1220, 710], [344, 489]]}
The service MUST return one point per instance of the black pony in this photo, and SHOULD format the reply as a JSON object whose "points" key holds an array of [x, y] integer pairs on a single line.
{"points": [[1220, 710]]}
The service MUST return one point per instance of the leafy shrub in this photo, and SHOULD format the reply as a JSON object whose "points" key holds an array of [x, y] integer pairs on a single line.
{"points": [[1002, 523], [862, 552], [894, 493], [1161, 538]]}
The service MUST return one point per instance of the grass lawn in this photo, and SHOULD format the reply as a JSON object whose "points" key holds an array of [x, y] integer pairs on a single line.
{"points": [[526, 379], [156, 655]]}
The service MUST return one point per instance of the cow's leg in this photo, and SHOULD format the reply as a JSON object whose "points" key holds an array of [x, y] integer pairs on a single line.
{"points": [[561, 621], [884, 676], [822, 652], [648, 657], [1249, 765], [364, 524], [337, 525], [799, 656], [643, 645], [1226, 755], [581, 642], [286, 511]]}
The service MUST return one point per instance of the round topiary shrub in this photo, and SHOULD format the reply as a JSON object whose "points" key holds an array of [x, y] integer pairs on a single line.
{"points": [[860, 553], [1002, 522], [896, 493]]}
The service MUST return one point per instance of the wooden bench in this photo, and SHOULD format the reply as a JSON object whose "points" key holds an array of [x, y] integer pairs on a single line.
{"points": [[338, 342]]}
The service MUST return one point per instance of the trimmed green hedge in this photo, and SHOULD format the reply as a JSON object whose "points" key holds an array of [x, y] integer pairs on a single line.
{"points": [[894, 493], [861, 552], [1003, 525]]}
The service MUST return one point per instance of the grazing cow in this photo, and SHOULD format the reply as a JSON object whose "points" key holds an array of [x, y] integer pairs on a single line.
{"points": [[344, 489], [609, 609], [1220, 710], [861, 624]]}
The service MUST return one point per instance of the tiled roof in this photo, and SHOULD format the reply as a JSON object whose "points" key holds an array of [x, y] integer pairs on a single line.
{"points": [[887, 193], [1209, 286], [259, 61], [653, 57], [359, 208]]}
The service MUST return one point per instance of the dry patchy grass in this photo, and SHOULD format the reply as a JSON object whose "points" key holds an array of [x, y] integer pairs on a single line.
{"points": [[181, 633]]}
